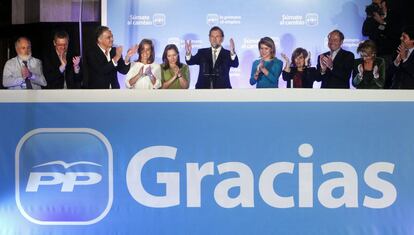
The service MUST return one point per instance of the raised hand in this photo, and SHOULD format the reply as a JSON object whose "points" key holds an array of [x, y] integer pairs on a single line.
{"points": [[62, 59], [25, 72], [384, 7], [328, 62], [119, 51], [322, 62], [131, 52], [360, 70], [375, 72], [76, 61], [285, 58], [188, 47], [140, 72], [148, 71], [307, 59], [402, 51], [232, 47], [261, 65], [177, 72], [118, 54]]}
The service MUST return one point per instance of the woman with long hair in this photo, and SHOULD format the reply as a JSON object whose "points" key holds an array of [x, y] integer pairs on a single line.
{"points": [[174, 74]]}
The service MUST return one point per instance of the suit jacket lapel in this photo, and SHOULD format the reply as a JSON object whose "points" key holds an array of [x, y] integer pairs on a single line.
{"points": [[112, 52], [210, 56], [337, 57], [101, 54], [411, 57]]}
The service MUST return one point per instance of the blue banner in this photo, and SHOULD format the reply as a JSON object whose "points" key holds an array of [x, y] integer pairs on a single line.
{"points": [[262, 167]]}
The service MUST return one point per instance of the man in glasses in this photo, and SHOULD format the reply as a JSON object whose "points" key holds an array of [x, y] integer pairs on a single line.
{"points": [[60, 67]]}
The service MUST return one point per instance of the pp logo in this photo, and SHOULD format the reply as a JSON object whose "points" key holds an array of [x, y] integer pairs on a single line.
{"points": [[312, 19], [159, 19], [64, 176], [213, 19]]}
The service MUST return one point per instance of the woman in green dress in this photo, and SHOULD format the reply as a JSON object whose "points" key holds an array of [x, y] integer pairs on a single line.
{"points": [[174, 74]]}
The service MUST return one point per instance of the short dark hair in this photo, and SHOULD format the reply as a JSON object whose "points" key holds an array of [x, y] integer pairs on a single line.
{"points": [[99, 31], [297, 52], [166, 65], [409, 30], [267, 41], [60, 34], [341, 35], [141, 47], [216, 28]]}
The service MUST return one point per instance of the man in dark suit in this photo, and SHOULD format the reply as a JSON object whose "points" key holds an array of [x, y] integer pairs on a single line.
{"points": [[105, 61], [214, 62], [335, 66], [403, 66], [60, 68]]}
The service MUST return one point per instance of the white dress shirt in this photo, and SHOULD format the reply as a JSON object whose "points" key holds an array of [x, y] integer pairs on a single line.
{"points": [[12, 74]]}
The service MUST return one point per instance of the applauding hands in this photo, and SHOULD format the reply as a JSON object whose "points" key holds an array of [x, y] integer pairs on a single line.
{"points": [[326, 62]]}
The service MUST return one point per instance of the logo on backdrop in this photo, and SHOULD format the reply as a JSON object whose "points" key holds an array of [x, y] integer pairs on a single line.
{"points": [[157, 20], [310, 19], [216, 19], [213, 19], [60, 172]]}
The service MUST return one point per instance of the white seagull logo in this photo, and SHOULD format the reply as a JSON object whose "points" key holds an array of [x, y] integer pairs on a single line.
{"points": [[67, 165]]}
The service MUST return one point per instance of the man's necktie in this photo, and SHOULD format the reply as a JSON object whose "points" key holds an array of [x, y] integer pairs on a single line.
{"points": [[214, 57], [27, 80]]}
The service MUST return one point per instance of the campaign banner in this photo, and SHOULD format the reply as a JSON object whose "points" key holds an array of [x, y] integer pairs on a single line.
{"points": [[132, 165]]}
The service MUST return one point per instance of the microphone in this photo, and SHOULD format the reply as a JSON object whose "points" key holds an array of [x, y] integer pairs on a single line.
{"points": [[211, 74], [27, 80]]}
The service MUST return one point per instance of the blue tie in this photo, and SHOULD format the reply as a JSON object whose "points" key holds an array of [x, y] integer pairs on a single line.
{"points": [[27, 80]]}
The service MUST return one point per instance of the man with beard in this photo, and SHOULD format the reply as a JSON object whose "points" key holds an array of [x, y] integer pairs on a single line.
{"points": [[23, 71]]}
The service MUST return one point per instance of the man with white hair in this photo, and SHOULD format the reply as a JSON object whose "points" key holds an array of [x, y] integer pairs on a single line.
{"points": [[23, 71]]}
